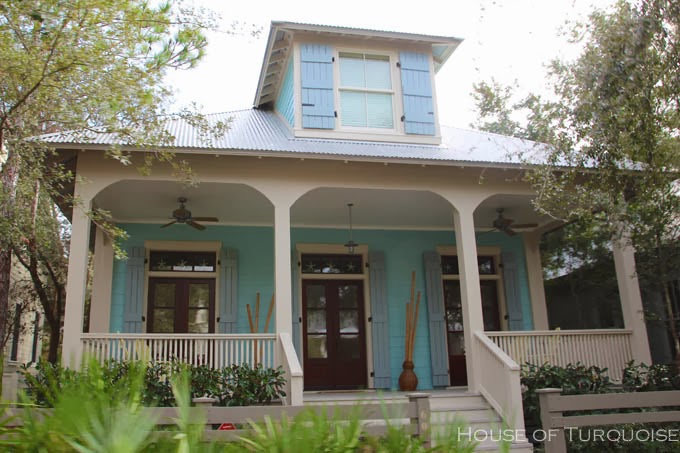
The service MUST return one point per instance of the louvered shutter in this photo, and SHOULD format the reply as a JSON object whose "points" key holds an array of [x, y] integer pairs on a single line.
{"points": [[513, 301], [379, 316], [316, 77], [416, 86], [228, 291], [134, 290], [435, 309]]}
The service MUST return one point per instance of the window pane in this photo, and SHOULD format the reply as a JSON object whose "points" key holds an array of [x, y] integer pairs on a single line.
{"points": [[347, 296], [316, 347], [379, 108], [352, 70], [378, 72], [163, 320], [316, 296], [198, 320], [164, 295], [349, 321], [316, 321], [353, 107], [199, 295]]}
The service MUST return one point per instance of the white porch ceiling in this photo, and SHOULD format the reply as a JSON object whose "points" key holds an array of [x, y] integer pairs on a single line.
{"points": [[238, 204]]}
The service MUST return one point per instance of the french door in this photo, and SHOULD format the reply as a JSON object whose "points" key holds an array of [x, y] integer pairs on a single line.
{"points": [[181, 305], [334, 334]]}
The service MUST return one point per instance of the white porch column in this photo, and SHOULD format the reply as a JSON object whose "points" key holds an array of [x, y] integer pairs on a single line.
{"points": [[282, 271], [631, 300], [100, 305], [76, 282], [466, 245], [532, 252]]}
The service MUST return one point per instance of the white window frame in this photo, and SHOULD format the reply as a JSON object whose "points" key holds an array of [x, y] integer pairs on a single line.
{"points": [[395, 91]]}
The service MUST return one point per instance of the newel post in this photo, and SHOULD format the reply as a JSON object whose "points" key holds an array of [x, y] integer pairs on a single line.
{"points": [[421, 401], [557, 443]]}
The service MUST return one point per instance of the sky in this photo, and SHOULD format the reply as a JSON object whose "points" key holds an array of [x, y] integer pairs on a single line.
{"points": [[509, 40]]}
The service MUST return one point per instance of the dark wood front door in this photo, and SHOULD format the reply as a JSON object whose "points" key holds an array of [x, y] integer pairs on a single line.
{"points": [[181, 305], [334, 334], [454, 323]]}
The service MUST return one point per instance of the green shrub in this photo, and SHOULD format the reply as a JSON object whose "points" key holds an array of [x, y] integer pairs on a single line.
{"points": [[650, 378], [575, 379], [237, 385]]}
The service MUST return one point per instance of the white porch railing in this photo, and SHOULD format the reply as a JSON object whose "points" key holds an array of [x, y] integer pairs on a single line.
{"points": [[213, 350], [605, 348], [498, 381]]}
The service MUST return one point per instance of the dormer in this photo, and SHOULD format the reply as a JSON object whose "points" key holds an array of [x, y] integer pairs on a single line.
{"points": [[353, 84]]}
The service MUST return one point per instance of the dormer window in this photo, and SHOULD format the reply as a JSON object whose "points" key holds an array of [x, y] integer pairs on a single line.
{"points": [[366, 91]]}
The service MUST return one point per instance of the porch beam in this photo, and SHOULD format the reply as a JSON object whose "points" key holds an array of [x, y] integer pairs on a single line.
{"points": [[471, 295], [76, 282], [631, 299], [100, 305], [532, 252]]}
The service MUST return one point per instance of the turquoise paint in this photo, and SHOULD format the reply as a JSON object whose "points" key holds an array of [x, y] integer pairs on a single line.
{"points": [[285, 104], [403, 253]]}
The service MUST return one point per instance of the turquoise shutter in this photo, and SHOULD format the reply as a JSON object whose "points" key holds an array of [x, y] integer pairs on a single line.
{"points": [[134, 290], [435, 309], [228, 291], [379, 327], [297, 318], [316, 68], [416, 87], [513, 301]]}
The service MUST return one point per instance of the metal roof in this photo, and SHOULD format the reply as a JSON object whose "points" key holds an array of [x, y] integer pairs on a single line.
{"points": [[261, 132]]}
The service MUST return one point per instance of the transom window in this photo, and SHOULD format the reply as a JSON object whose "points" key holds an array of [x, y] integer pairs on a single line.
{"points": [[366, 92]]}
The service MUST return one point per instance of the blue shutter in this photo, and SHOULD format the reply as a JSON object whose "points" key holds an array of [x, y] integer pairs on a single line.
{"points": [[380, 331], [295, 273], [416, 87], [134, 290], [435, 309], [316, 68], [228, 291], [513, 301]]}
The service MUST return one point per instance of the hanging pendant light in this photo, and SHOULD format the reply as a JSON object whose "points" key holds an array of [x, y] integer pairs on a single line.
{"points": [[350, 245]]}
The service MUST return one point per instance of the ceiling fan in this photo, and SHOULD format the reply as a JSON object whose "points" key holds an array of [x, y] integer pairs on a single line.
{"points": [[506, 225], [183, 215]]}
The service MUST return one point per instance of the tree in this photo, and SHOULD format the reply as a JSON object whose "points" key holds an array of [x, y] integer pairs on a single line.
{"points": [[613, 130], [94, 66]]}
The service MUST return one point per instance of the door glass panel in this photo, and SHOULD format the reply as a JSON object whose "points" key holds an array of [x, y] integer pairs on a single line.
{"points": [[198, 320], [163, 320], [456, 343], [199, 295], [349, 321], [454, 309], [316, 321], [316, 296], [347, 296], [316, 347], [164, 295], [349, 347], [490, 305]]}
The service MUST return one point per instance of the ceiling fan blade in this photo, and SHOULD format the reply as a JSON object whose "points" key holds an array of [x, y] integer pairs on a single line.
{"points": [[206, 219], [525, 225], [168, 224], [198, 226]]}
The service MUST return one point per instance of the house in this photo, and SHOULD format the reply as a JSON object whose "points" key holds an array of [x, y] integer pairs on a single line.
{"points": [[326, 196]]}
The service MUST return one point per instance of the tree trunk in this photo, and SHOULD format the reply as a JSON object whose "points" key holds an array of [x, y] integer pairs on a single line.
{"points": [[5, 273], [8, 176]]}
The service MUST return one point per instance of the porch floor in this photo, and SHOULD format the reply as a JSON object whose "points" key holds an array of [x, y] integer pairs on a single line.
{"points": [[352, 396]]}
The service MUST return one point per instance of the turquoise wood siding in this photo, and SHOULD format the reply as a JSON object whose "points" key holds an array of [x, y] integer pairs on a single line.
{"points": [[403, 252], [416, 86], [316, 67], [285, 104]]}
